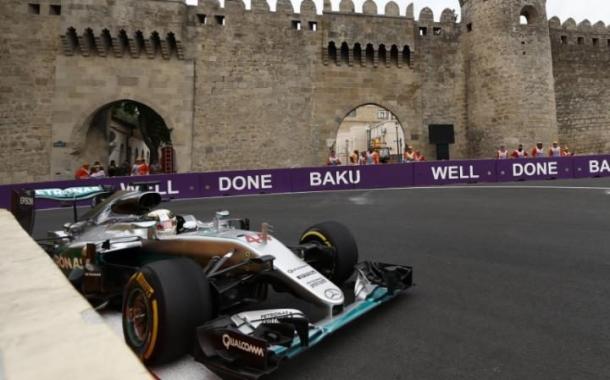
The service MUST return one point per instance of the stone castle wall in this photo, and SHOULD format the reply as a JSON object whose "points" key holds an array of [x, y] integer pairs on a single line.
{"points": [[245, 89], [581, 66]]}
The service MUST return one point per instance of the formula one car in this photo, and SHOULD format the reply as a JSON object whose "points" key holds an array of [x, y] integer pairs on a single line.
{"points": [[187, 286]]}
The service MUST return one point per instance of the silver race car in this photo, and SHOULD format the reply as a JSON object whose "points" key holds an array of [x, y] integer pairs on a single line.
{"points": [[189, 286]]}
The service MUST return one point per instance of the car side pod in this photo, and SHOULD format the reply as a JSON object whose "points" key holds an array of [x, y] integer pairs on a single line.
{"points": [[251, 344]]}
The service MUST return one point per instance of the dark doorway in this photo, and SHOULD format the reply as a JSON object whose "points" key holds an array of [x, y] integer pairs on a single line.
{"points": [[441, 135]]}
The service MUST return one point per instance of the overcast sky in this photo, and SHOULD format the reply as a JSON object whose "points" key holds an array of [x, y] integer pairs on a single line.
{"points": [[593, 10]]}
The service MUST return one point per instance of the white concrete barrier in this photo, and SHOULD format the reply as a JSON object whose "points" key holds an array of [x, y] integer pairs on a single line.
{"points": [[47, 330]]}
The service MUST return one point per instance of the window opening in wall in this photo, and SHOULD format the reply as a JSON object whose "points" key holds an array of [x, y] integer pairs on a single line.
{"points": [[394, 55], [406, 55], [370, 54], [596, 42], [72, 38], [34, 9], [123, 41], [203, 19], [313, 26], [469, 27], [140, 41], [332, 52], [89, 39], [173, 44], [528, 15], [55, 10], [382, 54], [609, 43], [382, 115], [106, 40], [344, 53], [156, 42], [296, 25], [423, 31], [564, 40], [437, 31], [220, 20], [357, 53], [581, 40]]}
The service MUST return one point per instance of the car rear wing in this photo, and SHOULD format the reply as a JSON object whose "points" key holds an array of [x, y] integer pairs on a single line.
{"points": [[23, 202]]}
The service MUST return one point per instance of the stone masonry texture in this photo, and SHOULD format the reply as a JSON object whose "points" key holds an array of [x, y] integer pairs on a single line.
{"points": [[246, 89]]}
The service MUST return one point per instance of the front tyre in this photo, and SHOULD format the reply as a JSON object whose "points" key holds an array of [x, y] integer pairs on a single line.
{"points": [[338, 254], [163, 304]]}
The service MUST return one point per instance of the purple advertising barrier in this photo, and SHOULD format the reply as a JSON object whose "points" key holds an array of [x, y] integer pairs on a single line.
{"points": [[387, 175], [591, 166], [534, 168], [245, 182], [326, 178], [170, 186], [448, 172]]}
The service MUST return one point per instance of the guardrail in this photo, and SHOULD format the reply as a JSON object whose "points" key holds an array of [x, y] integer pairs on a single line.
{"points": [[433, 173]]}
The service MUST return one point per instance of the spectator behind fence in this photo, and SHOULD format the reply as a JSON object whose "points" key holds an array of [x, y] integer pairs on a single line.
{"points": [[135, 168], [538, 151], [363, 158], [566, 152], [97, 172], [333, 160], [555, 150], [143, 168], [419, 156], [502, 153], [408, 155], [113, 170], [519, 152], [354, 157], [82, 172], [375, 157]]}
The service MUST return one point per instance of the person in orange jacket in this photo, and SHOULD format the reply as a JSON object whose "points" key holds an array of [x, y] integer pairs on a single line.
{"points": [[82, 172], [519, 152], [419, 156], [538, 151], [143, 168]]}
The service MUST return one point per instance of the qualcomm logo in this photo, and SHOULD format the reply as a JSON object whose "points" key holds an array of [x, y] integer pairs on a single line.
{"points": [[229, 342]]}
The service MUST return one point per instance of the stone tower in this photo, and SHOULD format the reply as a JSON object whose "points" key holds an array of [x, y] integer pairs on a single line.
{"points": [[509, 70]]}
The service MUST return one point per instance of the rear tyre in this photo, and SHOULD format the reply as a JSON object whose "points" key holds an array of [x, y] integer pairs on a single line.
{"points": [[163, 304], [337, 264]]}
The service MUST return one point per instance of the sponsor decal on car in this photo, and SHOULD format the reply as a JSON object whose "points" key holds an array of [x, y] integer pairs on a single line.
{"points": [[228, 341], [64, 262], [306, 274], [317, 282], [257, 238], [296, 269], [272, 317], [332, 294]]}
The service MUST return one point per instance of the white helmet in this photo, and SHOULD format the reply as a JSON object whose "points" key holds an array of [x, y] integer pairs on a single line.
{"points": [[167, 224]]}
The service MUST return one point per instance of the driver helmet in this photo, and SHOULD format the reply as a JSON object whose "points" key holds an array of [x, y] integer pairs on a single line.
{"points": [[167, 223]]}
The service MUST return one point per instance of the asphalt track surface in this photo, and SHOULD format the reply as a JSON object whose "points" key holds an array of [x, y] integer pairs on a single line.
{"points": [[512, 281]]}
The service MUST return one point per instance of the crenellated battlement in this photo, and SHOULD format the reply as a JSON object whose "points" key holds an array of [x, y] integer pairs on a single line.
{"points": [[570, 36], [121, 44]]}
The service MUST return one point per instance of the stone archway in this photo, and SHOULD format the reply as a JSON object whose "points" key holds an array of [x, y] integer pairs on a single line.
{"points": [[122, 131], [370, 126]]}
